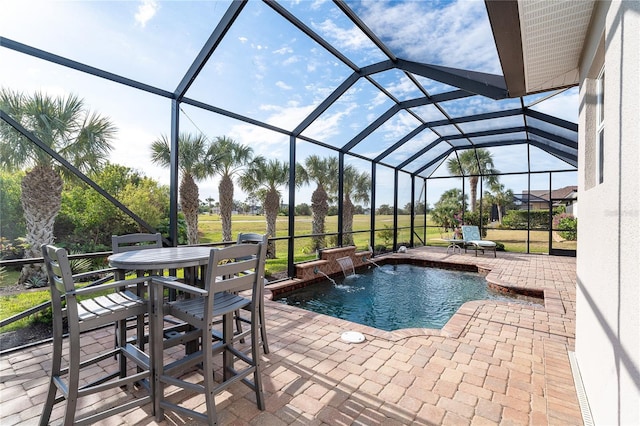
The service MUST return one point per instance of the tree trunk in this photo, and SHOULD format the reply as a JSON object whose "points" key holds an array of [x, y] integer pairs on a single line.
{"points": [[271, 204], [473, 187], [41, 199], [225, 190], [347, 221], [499, 213], [319, 210], [189, 205]]}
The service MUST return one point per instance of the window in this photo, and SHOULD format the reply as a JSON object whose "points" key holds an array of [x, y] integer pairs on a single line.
{"points": [[600, 128]]}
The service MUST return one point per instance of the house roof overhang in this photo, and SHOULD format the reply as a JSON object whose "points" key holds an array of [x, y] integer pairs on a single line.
{"points": [[539, 43]]}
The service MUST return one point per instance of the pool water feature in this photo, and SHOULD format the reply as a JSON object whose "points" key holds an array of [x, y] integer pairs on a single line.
{"points": [[346, 264], [394, 297]]}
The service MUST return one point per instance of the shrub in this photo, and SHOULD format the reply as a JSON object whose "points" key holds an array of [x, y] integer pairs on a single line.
{"points": [[567, 226], [386, 234], [379, 249], [517, 219], [12, 249], [473, 218]]}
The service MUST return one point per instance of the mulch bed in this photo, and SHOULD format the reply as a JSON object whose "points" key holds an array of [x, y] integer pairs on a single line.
{"points": [[35, 332]]}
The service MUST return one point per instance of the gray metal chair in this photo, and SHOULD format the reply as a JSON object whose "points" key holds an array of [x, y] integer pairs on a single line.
{"points": [[251, 238], [227, 276], [87, 308]]}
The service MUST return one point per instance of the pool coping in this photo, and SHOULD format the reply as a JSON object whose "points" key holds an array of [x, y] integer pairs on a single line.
{"points": [[459, 320]]}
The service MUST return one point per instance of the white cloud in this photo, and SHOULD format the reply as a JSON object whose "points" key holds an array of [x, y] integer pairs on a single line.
{"points": [[283, 85], [283, 50], [457, 35], [291, 60], [146, 10], [347, 39], [243, 39]]}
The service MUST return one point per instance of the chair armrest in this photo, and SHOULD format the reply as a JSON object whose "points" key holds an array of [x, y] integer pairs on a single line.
{"points": [[107, 286], [177, 285]]}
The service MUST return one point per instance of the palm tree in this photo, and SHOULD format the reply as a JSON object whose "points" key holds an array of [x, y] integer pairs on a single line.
{"points": [[263, 179], [475, 164], [232, 157], [63, 124], [500, 198], [324, 172], [356, 186], [210, 201], [194, 163]]}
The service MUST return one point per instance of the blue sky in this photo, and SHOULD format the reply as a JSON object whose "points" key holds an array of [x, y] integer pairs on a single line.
{"points": [[266, 69]]}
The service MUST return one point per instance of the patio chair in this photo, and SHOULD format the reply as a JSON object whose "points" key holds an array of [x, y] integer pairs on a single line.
{"points": [[140, 241], [87, 308], [230, 271], [471, 237], [131, 242], [251, 238]]}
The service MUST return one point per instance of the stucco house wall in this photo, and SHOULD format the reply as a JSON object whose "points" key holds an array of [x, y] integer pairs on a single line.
{"points": [[608, 262]]}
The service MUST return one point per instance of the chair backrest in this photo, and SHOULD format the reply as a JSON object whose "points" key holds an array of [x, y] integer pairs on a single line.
{"points": [[236, 268], [61, 285], [253, 238], [470, 233], [130, 242]]}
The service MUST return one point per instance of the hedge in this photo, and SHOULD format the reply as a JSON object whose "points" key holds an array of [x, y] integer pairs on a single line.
{"points": [[517, 219]]}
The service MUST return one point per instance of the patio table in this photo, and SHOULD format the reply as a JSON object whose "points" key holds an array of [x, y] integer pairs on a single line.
{"points": [[172, 258], [189, 258], [161, 258], [454, 244]]}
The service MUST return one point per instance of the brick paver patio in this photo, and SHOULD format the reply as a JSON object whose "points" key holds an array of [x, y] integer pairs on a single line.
{"points": [[492, 363]]}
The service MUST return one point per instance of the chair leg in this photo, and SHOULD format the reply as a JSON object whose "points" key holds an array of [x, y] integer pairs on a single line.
{"points": [[209, 385], [157, 351], [55, 371], [48, 405], [122, 341], [227, 338], [255, 353], [263, 329], [238, 324], [74, 379]]}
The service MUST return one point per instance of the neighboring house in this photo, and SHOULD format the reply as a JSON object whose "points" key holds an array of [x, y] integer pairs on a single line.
{"points": [[596, 45], [539, 199]]}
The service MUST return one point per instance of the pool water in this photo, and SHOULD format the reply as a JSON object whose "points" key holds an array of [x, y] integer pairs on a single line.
{"points": [[393, 297]]}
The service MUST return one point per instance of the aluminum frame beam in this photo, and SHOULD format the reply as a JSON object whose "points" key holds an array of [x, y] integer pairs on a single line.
{"points": [[79, 66], [490, 85], [209, 47]]}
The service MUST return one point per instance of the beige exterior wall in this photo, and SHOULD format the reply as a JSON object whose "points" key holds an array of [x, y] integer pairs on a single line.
{"points": [[608, 263]]}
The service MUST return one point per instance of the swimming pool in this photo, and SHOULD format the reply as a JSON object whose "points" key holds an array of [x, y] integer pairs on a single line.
{"points": [[393, 297]]}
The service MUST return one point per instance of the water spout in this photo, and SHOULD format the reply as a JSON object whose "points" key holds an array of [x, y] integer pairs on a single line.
{"points": [[347, 266], [318, 271], [364, 259]]}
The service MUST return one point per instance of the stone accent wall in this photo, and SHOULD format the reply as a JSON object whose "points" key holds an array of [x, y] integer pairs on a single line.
{"points": [[328, 264]]}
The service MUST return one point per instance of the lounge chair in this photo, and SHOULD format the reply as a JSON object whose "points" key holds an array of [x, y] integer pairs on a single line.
{"points": [[471, 237]]}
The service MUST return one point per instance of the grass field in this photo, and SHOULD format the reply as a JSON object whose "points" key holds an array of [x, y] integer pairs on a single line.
{"points": [[513, 240], [211, 232]]}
